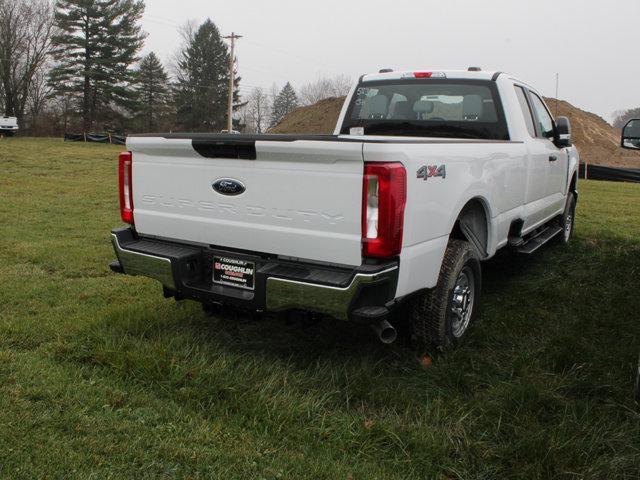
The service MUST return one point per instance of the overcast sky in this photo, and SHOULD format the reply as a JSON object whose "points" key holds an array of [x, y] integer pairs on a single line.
{"points": [[594, 45]]}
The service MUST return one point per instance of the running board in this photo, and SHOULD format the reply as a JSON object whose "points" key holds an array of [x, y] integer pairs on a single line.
{"points": [[539, 240]]}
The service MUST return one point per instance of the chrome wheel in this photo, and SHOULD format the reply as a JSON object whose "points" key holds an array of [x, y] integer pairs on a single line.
{"points": [[567, 220], [568, 226], [462, 302]]}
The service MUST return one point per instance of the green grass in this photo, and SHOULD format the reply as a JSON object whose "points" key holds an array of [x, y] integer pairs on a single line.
{"points": [[100, 377]]}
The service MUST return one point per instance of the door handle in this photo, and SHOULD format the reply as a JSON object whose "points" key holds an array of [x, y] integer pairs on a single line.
{"points": [[553, 158]]}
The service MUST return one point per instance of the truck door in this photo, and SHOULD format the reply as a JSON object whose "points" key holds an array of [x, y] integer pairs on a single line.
{"points": [[537, 168], [556, 158]]}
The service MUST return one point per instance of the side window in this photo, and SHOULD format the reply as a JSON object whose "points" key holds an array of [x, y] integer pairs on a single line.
{"points": [[545, 120], [526, 111]]}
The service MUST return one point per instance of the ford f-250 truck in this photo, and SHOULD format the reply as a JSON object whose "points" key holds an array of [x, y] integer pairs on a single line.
{"points": [[427, 174]]}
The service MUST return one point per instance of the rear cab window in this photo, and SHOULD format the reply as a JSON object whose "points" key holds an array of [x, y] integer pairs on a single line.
{"points": [[441, 108], [526, 110]]}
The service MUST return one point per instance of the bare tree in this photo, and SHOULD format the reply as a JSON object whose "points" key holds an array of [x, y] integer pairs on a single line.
{"points": [[39, 92], [26, 28], [256, 113], [323, 88], [187, 31], [273, 92]]}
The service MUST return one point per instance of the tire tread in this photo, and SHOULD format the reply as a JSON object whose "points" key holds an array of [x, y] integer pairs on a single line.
{"points": [[428, 310]]}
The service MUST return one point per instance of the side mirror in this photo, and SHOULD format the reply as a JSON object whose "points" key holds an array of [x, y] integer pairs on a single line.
{"points": [[563, 132], [631, 135]]}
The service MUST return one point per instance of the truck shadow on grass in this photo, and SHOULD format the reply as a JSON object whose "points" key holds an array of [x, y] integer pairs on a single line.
{"points": [[560, 308], [545, 376]]}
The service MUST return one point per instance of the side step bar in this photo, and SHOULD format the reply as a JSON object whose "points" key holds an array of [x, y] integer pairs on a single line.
{"points": [[534, 243]]}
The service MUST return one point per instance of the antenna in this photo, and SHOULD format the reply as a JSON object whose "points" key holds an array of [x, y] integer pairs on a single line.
{"points": [[557, 87]]}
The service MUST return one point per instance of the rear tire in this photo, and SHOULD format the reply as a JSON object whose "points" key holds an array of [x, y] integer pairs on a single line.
{"points": [[440, 317]]}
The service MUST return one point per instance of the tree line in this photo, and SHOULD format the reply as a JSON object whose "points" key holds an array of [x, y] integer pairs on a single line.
{"points": [[75, 65], [622, 117]]}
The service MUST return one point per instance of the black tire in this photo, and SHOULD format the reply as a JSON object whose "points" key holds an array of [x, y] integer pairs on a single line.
{"points": [[568, 219], [433, 321]]}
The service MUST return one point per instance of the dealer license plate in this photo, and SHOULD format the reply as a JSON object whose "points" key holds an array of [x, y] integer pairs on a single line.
{"points": [[233, 272]]}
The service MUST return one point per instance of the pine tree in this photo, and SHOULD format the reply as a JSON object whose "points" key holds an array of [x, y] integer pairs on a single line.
{"points": [[152, 91], [201, 92], [96, 46], [285, 102]]}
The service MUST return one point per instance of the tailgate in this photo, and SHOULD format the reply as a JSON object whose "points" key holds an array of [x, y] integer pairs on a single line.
{"points": [[301, 198]]}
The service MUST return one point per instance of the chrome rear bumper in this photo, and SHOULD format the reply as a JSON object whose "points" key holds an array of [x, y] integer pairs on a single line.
{"points": [[279, 286], [137, 263], [285, 294]]}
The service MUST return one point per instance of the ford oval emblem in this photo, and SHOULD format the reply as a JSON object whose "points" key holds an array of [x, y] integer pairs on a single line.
{"points": [[228, 186]]}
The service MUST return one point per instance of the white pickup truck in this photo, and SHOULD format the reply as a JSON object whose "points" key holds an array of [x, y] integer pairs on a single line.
{"points": [[8, 126], [428, 173]]}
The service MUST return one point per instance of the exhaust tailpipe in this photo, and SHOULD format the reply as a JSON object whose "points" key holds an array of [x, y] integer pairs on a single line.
{"points": [[385, 331]]}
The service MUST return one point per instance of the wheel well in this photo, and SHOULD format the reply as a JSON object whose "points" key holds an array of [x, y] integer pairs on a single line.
{"points": [[573, 186], [472, 226]]}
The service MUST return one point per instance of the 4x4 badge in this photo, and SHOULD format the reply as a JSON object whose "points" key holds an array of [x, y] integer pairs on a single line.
{"points": [[432, 171]]}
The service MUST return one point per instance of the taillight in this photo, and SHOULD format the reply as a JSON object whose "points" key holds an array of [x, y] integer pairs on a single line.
{"points": [[425, 75], [124, 182], [384, 195]]}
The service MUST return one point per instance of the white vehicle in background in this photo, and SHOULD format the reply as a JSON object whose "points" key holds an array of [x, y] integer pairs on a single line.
{"points": [[8, 126], [429, 173]]}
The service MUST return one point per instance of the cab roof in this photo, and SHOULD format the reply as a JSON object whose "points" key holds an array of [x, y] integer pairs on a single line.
{"points": [[435, 73]]}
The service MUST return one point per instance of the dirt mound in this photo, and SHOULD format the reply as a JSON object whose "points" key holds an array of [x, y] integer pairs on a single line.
{"points": [[318, 118], [597, 141]]}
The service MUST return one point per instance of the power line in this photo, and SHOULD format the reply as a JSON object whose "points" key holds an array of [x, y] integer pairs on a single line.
{"points": [[242, 86], [283, 52], [270, 48], [160, 21]]}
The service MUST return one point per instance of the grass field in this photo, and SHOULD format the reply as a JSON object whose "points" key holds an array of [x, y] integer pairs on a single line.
{"points": [[100, 377]]}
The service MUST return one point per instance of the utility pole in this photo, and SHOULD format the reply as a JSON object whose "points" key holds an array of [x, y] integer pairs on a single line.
{"points": [[232, 60]]}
